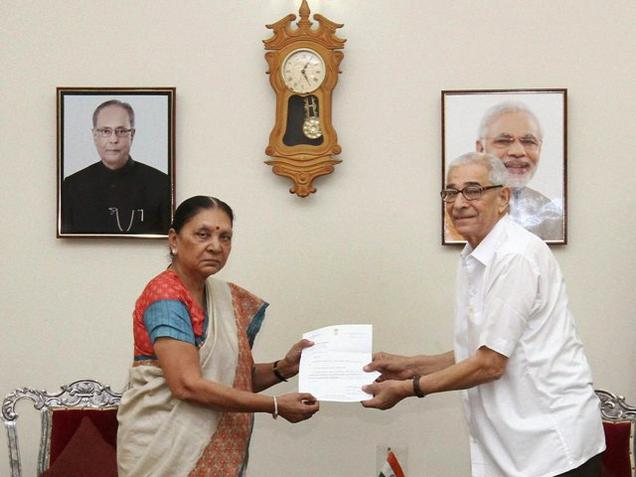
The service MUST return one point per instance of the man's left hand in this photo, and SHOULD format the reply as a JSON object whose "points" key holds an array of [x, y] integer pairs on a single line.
{"points": [[386, 394]]}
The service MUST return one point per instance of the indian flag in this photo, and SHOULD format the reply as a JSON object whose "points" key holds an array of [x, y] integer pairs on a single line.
{"points": [[391, 467]]}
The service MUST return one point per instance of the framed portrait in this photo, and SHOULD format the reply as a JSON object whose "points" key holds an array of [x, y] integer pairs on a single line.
{"points": [[527, 130], [115, 162]]}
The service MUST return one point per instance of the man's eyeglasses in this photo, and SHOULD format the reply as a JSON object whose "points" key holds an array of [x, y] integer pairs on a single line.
{"points": [[108, 132], [504, 141], [470, 192]]}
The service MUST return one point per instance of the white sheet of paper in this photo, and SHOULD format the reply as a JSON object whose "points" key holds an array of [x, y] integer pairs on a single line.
{"points": [[331, 369]]}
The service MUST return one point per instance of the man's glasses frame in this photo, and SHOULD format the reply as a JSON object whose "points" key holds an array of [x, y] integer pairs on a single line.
{"points": [[470, 192], [108, 132]]}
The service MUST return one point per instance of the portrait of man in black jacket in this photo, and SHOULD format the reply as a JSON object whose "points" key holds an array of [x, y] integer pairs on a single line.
{"points": [[115, 195]]}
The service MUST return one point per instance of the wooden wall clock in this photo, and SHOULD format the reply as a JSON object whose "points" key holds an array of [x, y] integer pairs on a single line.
{"points": [[303, 71]]}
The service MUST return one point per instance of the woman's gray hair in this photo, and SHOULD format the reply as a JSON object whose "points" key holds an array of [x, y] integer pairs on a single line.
{"points": [[493, 113], [497, 172]]}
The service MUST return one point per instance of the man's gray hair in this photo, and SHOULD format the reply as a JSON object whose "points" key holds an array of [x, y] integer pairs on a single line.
{"points": [[493, 113], [496, 169]]}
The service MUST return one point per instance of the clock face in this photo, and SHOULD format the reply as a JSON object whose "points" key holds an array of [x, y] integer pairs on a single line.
{"points": [[303, 71]]}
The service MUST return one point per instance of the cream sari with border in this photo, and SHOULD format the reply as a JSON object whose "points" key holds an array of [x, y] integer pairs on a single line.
{"points": [[162, 436]]}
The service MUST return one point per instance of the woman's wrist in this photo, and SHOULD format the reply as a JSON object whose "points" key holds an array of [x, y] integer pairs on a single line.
{"points": [[282, 371]]}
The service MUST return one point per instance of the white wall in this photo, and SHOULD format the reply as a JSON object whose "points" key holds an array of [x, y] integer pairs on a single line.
{"points": [[365, 248]]}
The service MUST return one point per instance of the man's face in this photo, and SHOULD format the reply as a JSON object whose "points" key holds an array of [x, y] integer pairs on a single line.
{"points": [[474, 219], [514, 138], [113, 149]]}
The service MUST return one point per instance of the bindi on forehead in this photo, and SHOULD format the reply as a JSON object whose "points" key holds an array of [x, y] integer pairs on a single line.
{"points": [[211, 227]]}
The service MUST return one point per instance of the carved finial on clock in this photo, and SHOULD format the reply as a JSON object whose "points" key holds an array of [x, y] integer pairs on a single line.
{"points": [[304, 12]]}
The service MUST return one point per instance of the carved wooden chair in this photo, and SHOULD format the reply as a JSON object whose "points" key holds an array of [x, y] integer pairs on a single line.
{"points": [[78, 431], [619, 423]]}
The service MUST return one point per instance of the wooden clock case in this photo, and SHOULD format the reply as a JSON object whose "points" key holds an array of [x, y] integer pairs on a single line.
{"points": [[291, 154]]}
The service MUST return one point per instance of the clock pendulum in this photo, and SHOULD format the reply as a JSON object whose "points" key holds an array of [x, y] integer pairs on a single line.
{"points": [[311, 126]]}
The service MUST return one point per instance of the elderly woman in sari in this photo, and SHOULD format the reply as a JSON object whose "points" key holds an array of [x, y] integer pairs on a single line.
{"points": [[194, 386]]}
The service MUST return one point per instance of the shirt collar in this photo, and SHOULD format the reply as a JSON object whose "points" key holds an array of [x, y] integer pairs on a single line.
{"points": [[122, 170], [488, 246]]}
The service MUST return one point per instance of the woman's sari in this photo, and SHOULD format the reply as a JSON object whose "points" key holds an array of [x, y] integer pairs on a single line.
{"points": [[162, 436]]}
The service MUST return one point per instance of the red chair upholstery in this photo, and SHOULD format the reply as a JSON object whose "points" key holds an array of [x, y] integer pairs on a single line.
{"points": [[65, 422], [618, 458]]}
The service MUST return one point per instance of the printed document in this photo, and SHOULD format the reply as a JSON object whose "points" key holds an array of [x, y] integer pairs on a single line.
{"points": [[331, 369]]}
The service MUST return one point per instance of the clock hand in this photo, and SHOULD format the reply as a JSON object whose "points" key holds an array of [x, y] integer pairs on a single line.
{"points": [[303, 71]]}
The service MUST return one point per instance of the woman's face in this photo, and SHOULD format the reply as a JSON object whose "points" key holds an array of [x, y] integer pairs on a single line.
{"points": [[203, 244]]}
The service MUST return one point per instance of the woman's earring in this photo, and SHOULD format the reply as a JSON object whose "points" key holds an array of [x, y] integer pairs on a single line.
{"points": [[174, 251]]}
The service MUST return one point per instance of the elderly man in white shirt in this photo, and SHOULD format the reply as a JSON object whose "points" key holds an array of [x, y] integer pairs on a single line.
{"points": [[527, 386]]}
